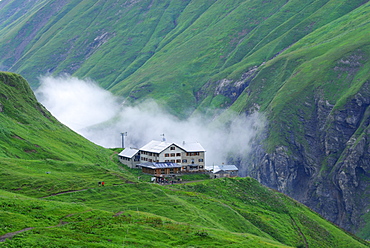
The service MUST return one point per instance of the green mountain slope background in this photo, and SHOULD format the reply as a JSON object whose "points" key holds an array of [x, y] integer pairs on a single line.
{"points": [[304, 64], [50, 196]]}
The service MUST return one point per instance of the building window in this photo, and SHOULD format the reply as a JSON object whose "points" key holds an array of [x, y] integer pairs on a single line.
{"points": [[172, 161], [172, 148], [200, 160], [184, 160], [166, 154], [178, 154], [172, 154], [167, 161], [192, 154], [178, 160]]}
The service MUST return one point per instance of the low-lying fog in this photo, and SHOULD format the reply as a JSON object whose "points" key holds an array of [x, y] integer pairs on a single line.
{"points": [[101, 117]]}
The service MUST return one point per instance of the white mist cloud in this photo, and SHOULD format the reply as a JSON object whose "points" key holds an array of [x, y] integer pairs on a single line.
{"points": [[76, 103], [100, 117]]}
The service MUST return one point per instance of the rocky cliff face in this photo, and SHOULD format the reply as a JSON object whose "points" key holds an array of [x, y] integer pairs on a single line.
{"points": [[330, 172]]}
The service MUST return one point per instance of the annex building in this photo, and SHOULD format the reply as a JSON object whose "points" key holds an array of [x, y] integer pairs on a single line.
{"points": [[219, 171]]}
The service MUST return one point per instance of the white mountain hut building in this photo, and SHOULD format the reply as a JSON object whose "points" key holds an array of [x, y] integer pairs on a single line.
{"points": [[163, 158]]}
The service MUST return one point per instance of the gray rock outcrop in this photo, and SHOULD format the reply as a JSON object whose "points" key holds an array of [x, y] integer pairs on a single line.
{"points": [[329, 170]]}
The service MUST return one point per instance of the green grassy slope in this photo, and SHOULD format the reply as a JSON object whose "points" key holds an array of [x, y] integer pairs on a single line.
{"points": [[167, 50], [238, 205], [227, 45], [50, 196], [333, 59], [28, 130], [140, 214], [332, 62], [75, 225]]}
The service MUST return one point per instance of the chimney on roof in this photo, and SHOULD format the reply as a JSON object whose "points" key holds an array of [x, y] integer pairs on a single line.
{"points": [[183, 143]]}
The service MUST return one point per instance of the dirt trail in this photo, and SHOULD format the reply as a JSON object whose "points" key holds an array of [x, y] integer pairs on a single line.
{"points": [[72, 191], [12, 234], [299, 231], [64, 192]]}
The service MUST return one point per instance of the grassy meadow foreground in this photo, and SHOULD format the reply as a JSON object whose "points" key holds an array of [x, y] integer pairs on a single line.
{"points": [[49, 195]]}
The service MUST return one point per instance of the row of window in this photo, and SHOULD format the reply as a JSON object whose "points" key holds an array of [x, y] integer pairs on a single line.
{"points": [[149, 153], [148, 159], [172, 155], [199, 160], [179, 154], [192, 154], [171, 171], [172, 160]]}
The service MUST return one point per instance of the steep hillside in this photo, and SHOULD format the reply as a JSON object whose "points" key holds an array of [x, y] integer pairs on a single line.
{"points": [[317, 96], [51, 196], [28, 130], [168, 50], [304, 63]]}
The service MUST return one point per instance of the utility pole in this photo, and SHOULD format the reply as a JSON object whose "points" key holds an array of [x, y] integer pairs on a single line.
{"points": [[123, 138]]}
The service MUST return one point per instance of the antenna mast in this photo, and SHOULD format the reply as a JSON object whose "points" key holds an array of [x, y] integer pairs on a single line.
{"points": [[123, 138]]}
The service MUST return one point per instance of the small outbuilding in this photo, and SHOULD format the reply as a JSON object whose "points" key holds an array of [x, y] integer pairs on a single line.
{"points": [[130, 157], [218, 171]]}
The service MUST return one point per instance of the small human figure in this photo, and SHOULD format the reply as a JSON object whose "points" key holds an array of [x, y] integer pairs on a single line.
{"points": [[102, 183], [99, 184]]}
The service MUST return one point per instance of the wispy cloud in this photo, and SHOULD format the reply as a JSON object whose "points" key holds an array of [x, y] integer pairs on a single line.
{"points": [[100, 117]]}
